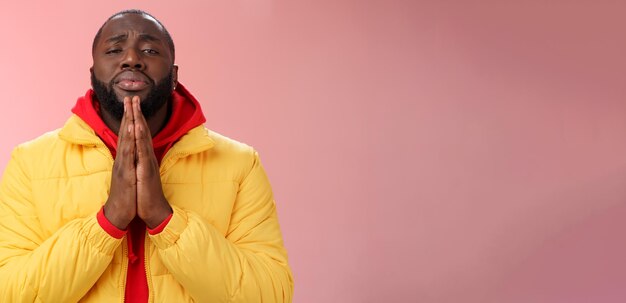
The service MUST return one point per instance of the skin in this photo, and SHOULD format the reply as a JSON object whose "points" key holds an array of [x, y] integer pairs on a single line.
{"points": [[136, 189]]}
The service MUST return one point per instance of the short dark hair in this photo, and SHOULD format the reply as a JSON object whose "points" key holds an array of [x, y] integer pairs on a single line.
{"points": [[168, 37]]}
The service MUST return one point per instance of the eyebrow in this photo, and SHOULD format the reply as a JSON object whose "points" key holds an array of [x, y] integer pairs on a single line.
{"points": [[142, 37]]}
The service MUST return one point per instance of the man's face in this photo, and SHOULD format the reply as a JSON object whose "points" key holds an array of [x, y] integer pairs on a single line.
{"points": [[132, 58]]}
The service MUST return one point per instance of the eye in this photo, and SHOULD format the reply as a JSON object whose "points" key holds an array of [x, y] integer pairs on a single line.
{"points": [[113, 51], [151, 51]]}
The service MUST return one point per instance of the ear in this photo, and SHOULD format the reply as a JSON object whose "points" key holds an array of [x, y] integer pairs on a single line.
{"points": [[174, 76]]}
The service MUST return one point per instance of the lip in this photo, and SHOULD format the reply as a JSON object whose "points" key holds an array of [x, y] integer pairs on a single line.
{"points": [[131, 81]]}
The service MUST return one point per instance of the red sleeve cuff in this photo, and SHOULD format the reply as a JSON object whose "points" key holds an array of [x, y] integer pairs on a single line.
{"points": [[161, 226], [111, 229]]}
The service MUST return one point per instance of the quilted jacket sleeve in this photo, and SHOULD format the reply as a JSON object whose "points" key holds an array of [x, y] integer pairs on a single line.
{"points": [[248, 265], [60, 267]]}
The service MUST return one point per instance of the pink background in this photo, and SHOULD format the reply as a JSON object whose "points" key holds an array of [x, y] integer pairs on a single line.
{"points": [[420, 151]]}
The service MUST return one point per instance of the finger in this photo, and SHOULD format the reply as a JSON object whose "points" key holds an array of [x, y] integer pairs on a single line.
{"points": [[127, 119], [126, 136], [120, 132], [139, 118], [143, 137]]}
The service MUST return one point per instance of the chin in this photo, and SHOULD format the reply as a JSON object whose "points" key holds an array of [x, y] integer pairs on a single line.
{"points": [[122, 94]]}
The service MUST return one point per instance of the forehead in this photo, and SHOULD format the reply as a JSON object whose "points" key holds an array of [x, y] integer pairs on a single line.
{"points": [[132, 23]]}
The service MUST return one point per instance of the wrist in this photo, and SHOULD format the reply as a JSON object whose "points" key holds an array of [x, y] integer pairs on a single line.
{"points": [[115, 218], [156, 216], [111, 229]]}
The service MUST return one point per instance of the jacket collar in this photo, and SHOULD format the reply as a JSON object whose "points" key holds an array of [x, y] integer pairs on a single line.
{"points": [[76, 131], [186, 113], [195, 141]]}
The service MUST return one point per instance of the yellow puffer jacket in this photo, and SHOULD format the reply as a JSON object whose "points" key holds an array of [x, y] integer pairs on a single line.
{"points": [[223, 243]]}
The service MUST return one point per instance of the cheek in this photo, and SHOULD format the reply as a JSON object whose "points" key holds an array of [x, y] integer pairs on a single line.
{"points": [[158, 68], [103, 72]]}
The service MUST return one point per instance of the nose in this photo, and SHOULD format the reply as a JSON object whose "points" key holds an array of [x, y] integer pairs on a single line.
{"points": [[132, 59]]}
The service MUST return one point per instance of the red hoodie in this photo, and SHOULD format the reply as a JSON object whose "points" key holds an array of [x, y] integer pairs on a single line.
{"points": [[186, 114]]}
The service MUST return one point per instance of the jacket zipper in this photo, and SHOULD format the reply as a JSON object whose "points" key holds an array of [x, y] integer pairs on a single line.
{"points": [[146, 265], [106, 152], [124, 270], [125, 261]]}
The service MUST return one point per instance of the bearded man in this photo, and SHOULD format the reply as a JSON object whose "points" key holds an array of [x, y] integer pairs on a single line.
{"points": [[133, 199]]}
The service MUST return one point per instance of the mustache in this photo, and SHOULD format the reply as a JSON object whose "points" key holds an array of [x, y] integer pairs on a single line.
{"points": [[160, 94]]}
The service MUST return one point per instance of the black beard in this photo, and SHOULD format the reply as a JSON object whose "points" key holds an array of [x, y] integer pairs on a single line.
{"points": [[160, 95]]}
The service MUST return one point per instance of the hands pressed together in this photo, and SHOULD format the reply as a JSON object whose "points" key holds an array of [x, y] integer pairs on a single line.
{"points": [[136, 189]]}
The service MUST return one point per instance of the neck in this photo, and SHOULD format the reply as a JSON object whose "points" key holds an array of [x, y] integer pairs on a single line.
{"points": [[155, 123]]}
